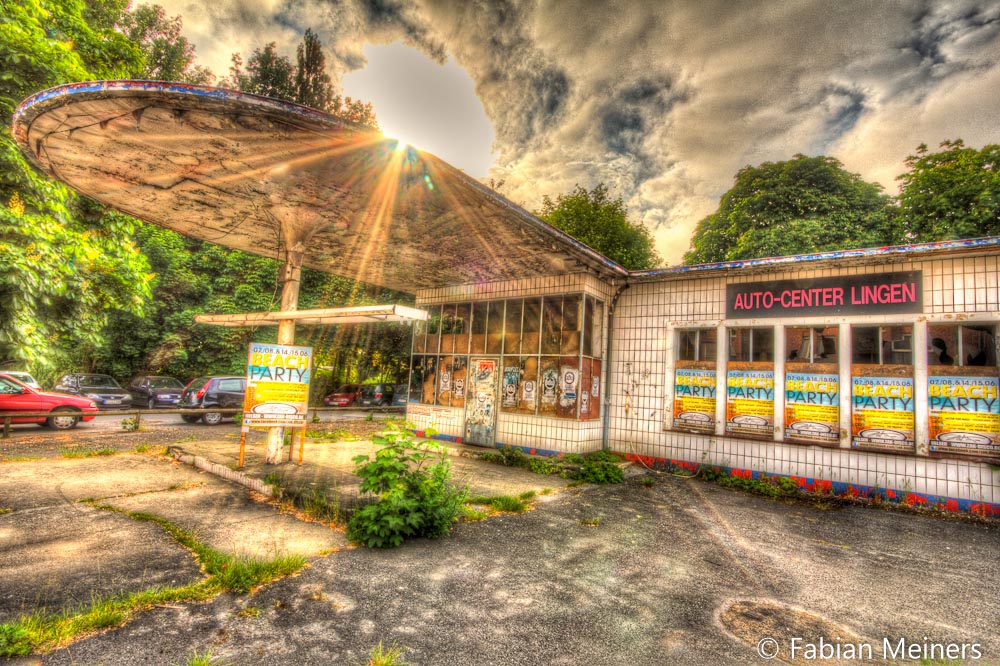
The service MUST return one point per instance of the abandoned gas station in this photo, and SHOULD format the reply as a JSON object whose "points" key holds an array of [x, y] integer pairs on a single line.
{"points": [[857, 372]]}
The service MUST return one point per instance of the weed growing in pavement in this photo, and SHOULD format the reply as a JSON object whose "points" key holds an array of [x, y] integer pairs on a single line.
{"points": [[776, 487], [80, 452], [386, 656], [414, 498], [596, 467], [317, 500], [41, 632], [504, 503], [648, 481], [4, 509], [189, 438], [250, 612], [200, 659], [601, 467], [329, 435], [471, 515], [130, 424], [591, 522]]}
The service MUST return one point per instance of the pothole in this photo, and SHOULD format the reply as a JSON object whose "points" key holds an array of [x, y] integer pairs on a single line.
{"points": [[769, 627]]}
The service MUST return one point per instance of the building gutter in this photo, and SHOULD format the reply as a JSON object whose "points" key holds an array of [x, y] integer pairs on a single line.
{"points": [[606, 416]]}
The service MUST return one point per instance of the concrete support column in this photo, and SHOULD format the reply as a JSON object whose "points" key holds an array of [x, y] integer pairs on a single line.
{"points": [[291, 274]]}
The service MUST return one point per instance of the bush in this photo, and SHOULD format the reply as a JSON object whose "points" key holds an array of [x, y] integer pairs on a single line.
{"points": [[414, 498]]}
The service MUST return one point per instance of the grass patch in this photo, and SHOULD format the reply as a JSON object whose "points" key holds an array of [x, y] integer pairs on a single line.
{"points": [[386, 656], [80, 452], [329, 435], [42, 632], [475, 515], [503, 503], [200, 658]]}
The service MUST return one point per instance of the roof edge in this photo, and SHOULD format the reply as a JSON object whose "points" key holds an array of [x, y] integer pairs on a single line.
{"points": [[790, 261]]}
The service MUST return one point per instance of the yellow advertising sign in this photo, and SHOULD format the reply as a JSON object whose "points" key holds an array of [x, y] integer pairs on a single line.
{"points": [[277, 385]]}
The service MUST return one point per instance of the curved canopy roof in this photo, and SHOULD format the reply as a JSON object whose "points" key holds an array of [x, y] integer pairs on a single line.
{"points": [[267, 176]]}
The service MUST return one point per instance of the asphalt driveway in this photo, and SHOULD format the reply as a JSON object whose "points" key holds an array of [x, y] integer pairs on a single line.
{"points": [[678, 573]]}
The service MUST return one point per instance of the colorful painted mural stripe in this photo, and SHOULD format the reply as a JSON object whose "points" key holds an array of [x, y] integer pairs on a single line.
{"points": [[834, 488]]}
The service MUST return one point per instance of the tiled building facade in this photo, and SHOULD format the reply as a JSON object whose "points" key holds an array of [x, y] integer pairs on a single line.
{"points": [[867, 372]]}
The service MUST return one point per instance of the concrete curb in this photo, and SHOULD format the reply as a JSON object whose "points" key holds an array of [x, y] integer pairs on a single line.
{"points": [[221, 471]]}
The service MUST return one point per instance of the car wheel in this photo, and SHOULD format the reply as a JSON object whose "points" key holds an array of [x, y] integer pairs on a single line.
{"points": [[62, 418], [152, 403], [212, 418], [190, 418]]}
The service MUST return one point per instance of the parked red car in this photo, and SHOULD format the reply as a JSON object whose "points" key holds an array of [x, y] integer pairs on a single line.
{"points": [[345, 396], [65, 411]]}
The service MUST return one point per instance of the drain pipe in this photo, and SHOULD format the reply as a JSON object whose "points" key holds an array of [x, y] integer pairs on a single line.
{"points": [[606, 418]]}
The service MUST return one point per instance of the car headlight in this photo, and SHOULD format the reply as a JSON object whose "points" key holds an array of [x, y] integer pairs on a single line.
{"points": [[92, 396], [93, 405]]}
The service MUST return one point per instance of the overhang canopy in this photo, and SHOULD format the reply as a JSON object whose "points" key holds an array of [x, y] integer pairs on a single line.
{"points": [[271, 177], [363, 314]]}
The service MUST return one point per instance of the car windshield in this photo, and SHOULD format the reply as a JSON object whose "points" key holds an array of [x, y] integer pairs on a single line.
{"points": [[98, 381], [164, 383], [9, 387], [22, 377], [367, 391]]}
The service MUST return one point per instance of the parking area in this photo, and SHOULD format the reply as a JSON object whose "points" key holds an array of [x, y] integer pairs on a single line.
{"points": [[672, 571]]}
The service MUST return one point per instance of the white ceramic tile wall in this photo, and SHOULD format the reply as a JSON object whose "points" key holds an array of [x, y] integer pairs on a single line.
{"points": [[645, 313]]}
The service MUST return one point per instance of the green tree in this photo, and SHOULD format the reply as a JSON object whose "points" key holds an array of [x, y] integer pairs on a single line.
{"points": [[168, 54], [313, 86], [266, 73], [65, 262], [272, 75], [594, 218], [802, 205], [953, 193]]}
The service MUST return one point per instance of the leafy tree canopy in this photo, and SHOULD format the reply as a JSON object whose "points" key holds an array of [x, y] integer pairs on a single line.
{"points": [[953, 193], [306, 82], [64, 262], [594, 218], [168, 54], [802, 205]]}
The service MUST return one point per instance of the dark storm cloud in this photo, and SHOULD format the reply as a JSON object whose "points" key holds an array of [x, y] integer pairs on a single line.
{"points": [[633, 111], [523, 90]]}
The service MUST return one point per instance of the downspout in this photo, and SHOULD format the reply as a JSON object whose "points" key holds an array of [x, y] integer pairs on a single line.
{"points": [[606, 418]]}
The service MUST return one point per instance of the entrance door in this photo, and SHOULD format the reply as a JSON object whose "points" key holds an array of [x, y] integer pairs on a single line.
{"points": [[481, 402]]}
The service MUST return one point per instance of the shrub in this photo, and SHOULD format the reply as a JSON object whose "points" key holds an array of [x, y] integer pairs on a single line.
{"points": [[414, 498]]}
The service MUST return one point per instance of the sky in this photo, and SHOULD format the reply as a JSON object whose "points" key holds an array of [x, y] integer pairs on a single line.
{"points": [[662, 100]]}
